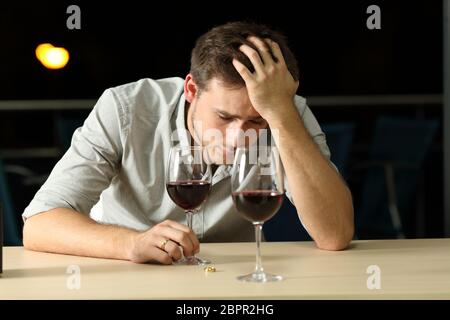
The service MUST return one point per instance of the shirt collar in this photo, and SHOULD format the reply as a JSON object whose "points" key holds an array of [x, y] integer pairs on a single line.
{"points": [[183, 135]]}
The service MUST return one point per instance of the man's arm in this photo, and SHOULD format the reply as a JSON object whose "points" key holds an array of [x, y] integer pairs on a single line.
{"points": [[66, 231], [319, 193], [57, 219]]}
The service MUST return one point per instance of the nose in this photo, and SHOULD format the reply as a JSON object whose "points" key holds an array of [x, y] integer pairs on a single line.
{"points": [[232, 139], [239, 135]]}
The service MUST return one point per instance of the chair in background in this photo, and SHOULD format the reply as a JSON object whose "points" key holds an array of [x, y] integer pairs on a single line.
{"points": [[285, 225], [21, 179], [25, 177], [392, 172], [12, 230], [340, 139]]}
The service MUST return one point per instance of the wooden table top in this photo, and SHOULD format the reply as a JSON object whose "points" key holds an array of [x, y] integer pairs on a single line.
{"points": [[403, 269]]}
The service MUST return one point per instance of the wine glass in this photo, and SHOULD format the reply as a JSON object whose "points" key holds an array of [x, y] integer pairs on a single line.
{"points": [[257, 190], [188, 182]]}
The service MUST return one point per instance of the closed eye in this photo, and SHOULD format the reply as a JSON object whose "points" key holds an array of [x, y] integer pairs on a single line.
{"points": [[225, 118]]}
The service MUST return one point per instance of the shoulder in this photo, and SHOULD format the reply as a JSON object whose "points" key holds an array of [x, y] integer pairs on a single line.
{"points": [[149, 90], [148, 98]]}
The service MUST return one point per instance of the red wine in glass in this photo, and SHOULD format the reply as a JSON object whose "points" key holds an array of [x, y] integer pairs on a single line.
{"points": [[189, 194], [258, 205]]}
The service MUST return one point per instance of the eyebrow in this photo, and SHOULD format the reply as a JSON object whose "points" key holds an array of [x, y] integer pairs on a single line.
{"points": [[229, 115]]}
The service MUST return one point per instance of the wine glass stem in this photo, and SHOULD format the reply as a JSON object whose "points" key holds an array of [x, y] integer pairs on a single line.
{"points": [[258, 230], [189, 215]]}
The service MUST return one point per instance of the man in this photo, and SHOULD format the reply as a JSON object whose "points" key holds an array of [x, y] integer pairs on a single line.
{"points": [[243, 76]]}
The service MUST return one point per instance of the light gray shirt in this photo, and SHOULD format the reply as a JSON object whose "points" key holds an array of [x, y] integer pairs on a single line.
{"points": [[115, 167]]}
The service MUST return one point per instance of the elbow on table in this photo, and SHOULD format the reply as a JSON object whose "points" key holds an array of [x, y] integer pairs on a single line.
{"points": [[27, 237], [342, 236], [336, 243], [30, 238], [333, 245]]}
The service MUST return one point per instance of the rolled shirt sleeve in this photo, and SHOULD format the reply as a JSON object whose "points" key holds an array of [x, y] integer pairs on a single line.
{"points": [[89, 165]]}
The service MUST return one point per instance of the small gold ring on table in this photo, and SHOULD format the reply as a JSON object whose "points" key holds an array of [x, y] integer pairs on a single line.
{"points": [[163, 244], [209, 269]]}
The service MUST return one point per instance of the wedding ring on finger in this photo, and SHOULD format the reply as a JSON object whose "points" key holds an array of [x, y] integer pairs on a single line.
{"points": [[163, 244]]}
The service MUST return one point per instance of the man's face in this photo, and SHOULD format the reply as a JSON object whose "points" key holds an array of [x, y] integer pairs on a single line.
{"points": [[223, 119]]}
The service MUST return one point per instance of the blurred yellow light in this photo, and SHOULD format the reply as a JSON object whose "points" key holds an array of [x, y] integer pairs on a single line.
{"points": [[52, 57]]}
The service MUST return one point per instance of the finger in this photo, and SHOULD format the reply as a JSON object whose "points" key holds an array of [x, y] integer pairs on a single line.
{"points": [[263, 48], [277, 51], [243, 71], [155, 254], [184, 228], [162, 256], [173, 250], [254, 57], [180, 237], [176, 225]]}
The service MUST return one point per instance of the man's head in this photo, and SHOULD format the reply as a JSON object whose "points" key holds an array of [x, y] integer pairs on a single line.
{"points": [[219, 103]]}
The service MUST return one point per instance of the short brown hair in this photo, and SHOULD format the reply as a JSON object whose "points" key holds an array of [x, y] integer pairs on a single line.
{"points": [[214, 51]]}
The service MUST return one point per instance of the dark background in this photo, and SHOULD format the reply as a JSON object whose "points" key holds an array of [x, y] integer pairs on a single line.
{"points": [[124, 41], [127, 40]]}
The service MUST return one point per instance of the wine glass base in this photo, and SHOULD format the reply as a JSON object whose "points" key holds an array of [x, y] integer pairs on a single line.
{"points": [[260, 277], [192, 261]]}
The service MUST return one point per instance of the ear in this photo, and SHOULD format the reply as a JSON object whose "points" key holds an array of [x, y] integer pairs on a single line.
{"points": [[190, 88]]}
